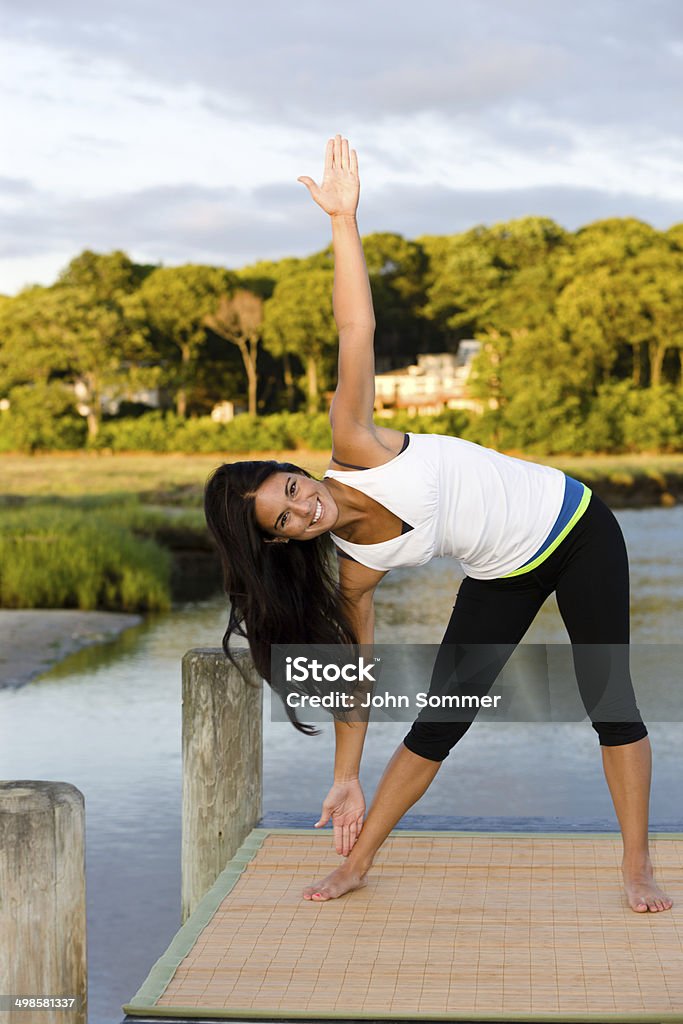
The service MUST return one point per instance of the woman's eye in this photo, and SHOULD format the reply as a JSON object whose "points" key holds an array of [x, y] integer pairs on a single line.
{"points": [[283, 521], [292, 488]]}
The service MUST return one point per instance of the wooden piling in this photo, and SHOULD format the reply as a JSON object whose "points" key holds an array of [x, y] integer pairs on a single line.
{"points": [[222, 765], [42, 900]]}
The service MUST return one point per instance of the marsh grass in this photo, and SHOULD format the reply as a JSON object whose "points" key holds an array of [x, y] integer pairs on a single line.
{"points": [[89, 555]]}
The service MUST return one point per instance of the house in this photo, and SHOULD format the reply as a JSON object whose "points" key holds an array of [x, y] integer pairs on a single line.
{"points": [[436, 382]]}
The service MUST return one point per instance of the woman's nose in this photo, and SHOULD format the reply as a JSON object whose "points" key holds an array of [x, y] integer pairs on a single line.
{"points": [[303, 506]]}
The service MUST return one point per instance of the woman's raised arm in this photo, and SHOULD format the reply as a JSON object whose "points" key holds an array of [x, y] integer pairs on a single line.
{"points": [[353, 403]]}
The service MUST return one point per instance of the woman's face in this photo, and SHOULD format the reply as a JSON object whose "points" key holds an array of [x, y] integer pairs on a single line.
{"points": [[292, 506]]}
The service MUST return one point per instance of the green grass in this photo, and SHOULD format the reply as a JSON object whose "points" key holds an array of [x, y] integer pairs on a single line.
{"points": [[55, 555], [154, 479], [179, 479]]}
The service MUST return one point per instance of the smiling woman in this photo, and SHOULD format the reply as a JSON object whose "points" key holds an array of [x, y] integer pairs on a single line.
{"points": [[519, 530], [279, 592]]}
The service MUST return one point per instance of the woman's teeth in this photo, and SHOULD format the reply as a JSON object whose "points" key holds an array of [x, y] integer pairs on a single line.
{"points": [[318, 512]]}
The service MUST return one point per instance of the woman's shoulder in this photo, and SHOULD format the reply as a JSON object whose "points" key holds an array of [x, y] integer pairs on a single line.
{"points": [[365, 447]]}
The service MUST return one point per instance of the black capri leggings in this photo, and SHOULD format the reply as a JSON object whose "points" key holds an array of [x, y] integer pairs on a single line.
{"points": [[589, 572]]}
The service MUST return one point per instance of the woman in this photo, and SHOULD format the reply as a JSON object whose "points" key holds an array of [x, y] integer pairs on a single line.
{"points": [[520, 531]]}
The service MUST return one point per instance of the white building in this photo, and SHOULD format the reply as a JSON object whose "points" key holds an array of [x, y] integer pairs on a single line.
{"points": [[436, 382]]}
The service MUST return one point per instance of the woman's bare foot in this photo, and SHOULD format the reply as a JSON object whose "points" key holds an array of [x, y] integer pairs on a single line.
{"points": [[642, 892], [343, 879]]}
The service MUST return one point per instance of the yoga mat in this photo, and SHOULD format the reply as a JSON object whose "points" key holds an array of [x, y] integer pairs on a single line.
{"points": [[452, 926]]}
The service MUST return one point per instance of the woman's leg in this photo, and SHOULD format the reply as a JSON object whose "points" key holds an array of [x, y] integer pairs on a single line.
{"points": [[492, 612], [593, 598]]}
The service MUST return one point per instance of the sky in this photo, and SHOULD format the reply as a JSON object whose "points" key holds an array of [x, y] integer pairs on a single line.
{"points": [[176, 131]]}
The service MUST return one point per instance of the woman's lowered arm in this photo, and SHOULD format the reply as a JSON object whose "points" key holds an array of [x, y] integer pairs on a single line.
{"points": [[345, 802], [350, 735]]}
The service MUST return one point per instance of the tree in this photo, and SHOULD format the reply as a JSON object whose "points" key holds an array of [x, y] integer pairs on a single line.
{"points": [[239, 320], [172, 305], [298, 319], [463, 284], [621, 285], [104, 275], [657, 281], [75, 331], [474, 278]]}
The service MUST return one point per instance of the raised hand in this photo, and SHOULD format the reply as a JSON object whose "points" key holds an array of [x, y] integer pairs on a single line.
{"points": [[345, 804], [338, 194]]}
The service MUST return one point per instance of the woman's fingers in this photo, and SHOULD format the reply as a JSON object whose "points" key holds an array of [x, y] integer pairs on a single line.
{"points": [[329, 155], [338, 157], [338, 838], [350, 834], [345, 836]]}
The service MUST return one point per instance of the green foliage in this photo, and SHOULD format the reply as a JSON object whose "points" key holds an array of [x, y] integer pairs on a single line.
{"points": [[170, 309], [617, 419], [152, 432], [474, 276], [161, 432], [52, 556], [104, 275], [41, 416], [582, 346], [76, 332], [653, 420], [298, 321]]}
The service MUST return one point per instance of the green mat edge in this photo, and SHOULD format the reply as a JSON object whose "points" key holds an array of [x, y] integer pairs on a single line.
{"points": [[161, 974], [538, 1018]]}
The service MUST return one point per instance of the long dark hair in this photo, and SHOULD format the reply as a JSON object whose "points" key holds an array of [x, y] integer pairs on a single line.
{"points": [[279, 593]]}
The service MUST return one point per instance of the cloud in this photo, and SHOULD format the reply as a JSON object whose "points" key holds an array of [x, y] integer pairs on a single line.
{"points": [[613, 63], [232, 227], [123, 120], [11, 187]]}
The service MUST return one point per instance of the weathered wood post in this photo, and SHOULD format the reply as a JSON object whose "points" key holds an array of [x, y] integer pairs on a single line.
{"points": [[222, 765], [42, 901]]}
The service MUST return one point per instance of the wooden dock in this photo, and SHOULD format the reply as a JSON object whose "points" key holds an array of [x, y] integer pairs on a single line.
{"points": [[453, 925]]}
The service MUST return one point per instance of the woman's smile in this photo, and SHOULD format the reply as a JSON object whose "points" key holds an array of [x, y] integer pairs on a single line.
{"points": [[318, 512]]}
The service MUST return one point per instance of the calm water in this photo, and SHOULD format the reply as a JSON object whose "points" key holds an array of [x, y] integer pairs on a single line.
{"points": [[108, 721]]}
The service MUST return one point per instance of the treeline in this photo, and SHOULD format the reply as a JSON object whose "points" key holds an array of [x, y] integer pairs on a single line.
{"points": [[582, 341]]}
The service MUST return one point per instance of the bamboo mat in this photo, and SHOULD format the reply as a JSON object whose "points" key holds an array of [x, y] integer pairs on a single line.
{"points": [[452, 925]]}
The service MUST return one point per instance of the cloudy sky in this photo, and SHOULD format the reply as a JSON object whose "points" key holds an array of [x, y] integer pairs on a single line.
{"points": [[176, 130]]}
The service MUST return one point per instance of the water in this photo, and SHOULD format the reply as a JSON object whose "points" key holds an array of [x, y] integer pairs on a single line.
{"points": [[108, 721]]}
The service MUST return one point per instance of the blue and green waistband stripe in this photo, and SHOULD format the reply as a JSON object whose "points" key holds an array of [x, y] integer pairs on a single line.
{"points": [[574, 504]]}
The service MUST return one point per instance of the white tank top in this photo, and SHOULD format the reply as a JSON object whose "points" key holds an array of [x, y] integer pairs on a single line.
{"points": [[490, 511]]}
